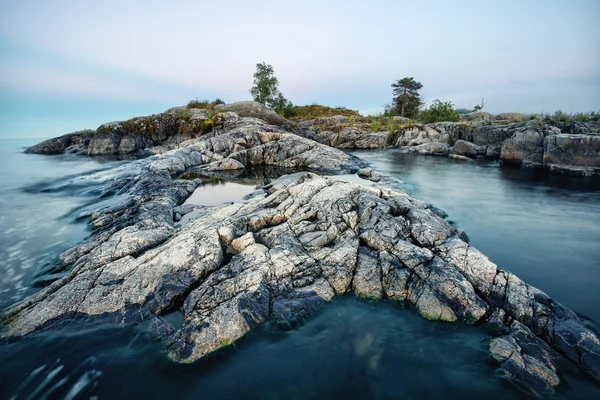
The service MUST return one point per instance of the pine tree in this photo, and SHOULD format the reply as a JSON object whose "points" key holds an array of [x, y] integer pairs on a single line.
{"points": [[407, 99]]}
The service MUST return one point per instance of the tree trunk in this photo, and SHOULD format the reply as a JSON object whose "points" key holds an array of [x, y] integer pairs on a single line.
{"points": [[403, 111]]}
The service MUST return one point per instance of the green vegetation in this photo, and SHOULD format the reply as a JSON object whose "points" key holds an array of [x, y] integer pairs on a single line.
{"points": [[439, 111], [224, 343], [560, 116], [317, 111], [479, 107], [407, 100], [375, 125], [204, 104], [265, 90], [463, 111], [575, 117]]}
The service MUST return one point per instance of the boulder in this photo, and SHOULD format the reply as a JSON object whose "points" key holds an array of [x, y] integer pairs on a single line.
{"points": [[467, 149], [438, 149], [575, 150], [527, 144], [477, 116]]}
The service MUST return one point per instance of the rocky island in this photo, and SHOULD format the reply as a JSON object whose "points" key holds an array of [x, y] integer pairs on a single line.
{"points": [[302, 239], [558, 146]]}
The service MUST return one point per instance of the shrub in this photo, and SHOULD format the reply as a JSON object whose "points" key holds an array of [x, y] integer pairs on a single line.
{"points": [[317, 111], [375, 125], [204, 104], [463, 111], [198, 103], [439, 111]]}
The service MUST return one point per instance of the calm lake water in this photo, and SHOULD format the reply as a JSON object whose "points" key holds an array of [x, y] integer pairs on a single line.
{"points": [[545, 229]]}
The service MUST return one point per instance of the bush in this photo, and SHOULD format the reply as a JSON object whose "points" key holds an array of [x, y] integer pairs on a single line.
{"points": [[375, 125], [560, 116], [463, 111], [204, 104], [439, 111], [198, 103], [317, 111]]}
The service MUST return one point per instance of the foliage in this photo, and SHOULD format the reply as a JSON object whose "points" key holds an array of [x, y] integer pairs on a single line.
{"points": [[407, 100], [317, 111], [463, 111], [283, 106], [389, 110], [204, 104], [375, 125], [392, 126], [479, 107], [439, 111], [266, 86], [265, 90], [560, 116], [198, 103]]}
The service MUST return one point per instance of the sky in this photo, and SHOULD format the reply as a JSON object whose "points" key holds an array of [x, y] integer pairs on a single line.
{"points": [[70, 65]]}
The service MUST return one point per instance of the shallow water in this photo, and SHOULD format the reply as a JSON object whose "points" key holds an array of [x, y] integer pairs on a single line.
{"points": [[350, 349]]}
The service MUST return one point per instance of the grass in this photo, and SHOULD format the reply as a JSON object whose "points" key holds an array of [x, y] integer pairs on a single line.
{"points": [[204, 104], [560, 116], [318, 111]]}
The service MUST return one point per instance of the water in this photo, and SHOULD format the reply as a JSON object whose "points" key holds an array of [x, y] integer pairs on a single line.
{"points": [[351, 348], [40, 198], [543, 227]]}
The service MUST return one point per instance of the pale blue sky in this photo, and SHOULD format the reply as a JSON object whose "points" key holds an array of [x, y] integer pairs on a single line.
{"points": [[68, 65]]}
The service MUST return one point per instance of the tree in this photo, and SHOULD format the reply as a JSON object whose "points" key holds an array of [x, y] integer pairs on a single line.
{"points": [[407, 99], [283, 106], [479, 107], [266, 91], [439, 111]]}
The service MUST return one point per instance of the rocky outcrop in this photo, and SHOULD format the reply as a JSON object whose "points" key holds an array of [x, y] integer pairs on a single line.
{"points": [[167, 130], [526, 144], [467, 149], [103, 143], [573, 153], [292, 246], [477, 116], [510, 137], [281, 255], [514, 117], [256, 110], [71, 142], [434, 149]]}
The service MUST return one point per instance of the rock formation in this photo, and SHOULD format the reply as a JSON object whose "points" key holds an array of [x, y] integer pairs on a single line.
{"points": [[510, 137], [292, 246]]}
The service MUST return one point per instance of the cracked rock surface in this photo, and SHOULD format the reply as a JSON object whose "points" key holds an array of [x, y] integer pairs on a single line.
{"points": [[291, 247]]}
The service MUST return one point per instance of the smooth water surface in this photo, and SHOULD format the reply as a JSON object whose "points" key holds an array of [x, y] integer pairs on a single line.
{"points": [[352, 349], [543, 227]]}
